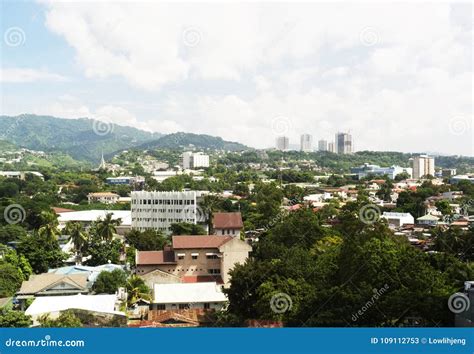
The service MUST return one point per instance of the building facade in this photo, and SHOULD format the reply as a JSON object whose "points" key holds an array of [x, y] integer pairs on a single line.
{"points": [[192, 160], [331, 147], [158, 210], [283, 143], [423, 165], [103, 197], [196, 258], [343, 143], [322, 145], [306, 143]]}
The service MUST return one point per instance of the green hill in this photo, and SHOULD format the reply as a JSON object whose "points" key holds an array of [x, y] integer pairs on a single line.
{"points": [[186, 140], [82, 138]]}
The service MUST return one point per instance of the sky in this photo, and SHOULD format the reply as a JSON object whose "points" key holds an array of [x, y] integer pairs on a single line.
{"points": [[397, 76]]}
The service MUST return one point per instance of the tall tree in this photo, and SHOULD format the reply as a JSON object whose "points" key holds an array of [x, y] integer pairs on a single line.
{"points": [[107, 227], [78, 237], [49, 227]]}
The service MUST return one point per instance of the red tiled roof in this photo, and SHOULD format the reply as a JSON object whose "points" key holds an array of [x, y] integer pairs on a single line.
{"points": [[227, 221], [202, 279], [155, 257], [199, 241], [58, 210]]}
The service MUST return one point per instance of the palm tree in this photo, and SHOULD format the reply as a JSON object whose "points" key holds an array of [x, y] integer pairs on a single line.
{"points": [[206, 208], [136, 290], [78, 238], [107, 227], [50, 224]]}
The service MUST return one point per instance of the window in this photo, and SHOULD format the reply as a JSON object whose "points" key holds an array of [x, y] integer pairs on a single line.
{"points": [[211, 256], [183, 306], [194, 255], [207, 305], [214, 271], [160, 306]]}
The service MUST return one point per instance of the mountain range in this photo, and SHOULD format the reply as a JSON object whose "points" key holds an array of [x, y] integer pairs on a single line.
{"points": [[87, 139]]}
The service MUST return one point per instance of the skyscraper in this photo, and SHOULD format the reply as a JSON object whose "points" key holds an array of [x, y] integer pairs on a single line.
{"points": [[322, 145], [283, 143], [306, 142], [423, 165], [331, 147], [343, 143]]}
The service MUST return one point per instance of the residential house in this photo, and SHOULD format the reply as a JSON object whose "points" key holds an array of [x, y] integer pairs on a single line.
{"points": [[103, 197], [182, 296], [428, 220], [196, 258], [50, 284], [106, 306], [227, 224], [398, 219]]}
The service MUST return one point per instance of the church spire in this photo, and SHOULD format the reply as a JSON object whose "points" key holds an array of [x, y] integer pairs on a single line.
{"points": [[102, 161]]}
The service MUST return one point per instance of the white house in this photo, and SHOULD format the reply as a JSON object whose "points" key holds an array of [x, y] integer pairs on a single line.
{"points": [[398, 219], [54, 305], [183, 296]]}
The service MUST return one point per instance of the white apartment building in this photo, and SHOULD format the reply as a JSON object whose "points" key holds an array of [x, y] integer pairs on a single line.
{"points": [[306, 142], [322, 145], [283, 143], [158, 210], [423, 165], [191, 160]]}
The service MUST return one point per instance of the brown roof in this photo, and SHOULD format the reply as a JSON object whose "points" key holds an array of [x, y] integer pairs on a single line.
{"points": [[58, 210], [227, 221], [202, 279], [155, 257], [40, 282], [199, 241]]}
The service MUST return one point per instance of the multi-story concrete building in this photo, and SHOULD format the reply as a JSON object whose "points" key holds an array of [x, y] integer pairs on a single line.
{"points": [[392, 171], [306, 143], [343, 143], [332, 147], [283, 143], [196, 258], [103, 197], [322, 145], [423, 165], [192, 160], [158, 210]]}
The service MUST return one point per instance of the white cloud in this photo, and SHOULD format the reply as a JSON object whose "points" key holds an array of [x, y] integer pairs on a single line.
{"points": [[22, 75], [247, 63]]}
